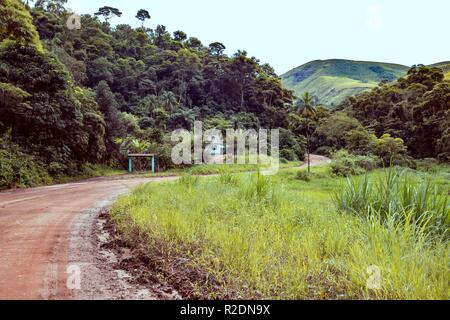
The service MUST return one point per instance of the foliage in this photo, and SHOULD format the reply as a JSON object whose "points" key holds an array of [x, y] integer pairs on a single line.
{"points": [[303, 175], [415, 109], [18, 169], [302, 248], [332, 130], [397, 199], [17, 25], [345, 164], [70, 103], [48, 120]]}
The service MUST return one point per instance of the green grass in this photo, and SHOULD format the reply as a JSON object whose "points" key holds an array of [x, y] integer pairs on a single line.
{"points": [[277, 237], [412, 203], [214, 169]]}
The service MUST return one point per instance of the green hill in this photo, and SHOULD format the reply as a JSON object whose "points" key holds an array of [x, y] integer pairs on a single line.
{"points": [[334, 80]]}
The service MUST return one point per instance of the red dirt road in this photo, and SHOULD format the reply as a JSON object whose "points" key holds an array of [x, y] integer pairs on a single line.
{"points": [[35, 227], [46, 231]]}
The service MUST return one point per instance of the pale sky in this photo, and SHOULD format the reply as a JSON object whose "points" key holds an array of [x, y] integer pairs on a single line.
{"points": [[288, 33]]}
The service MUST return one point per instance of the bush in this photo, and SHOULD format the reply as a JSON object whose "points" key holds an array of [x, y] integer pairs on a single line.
{"points": [[390, 149], [346, 164], [288, 154], [303, 176], [428, 165], [18, 169]]}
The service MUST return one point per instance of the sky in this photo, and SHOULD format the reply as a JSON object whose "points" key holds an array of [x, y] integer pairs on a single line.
{"points": [[289, 33]]}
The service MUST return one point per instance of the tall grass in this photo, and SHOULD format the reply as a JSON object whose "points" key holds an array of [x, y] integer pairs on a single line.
{"points": [[398, 199], [276, 238]]}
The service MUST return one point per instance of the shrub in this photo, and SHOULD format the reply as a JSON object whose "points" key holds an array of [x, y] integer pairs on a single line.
{"points": [[390, 149], [428, 165], [18, 169], [288, 154], [303, 176], [346, 164]]}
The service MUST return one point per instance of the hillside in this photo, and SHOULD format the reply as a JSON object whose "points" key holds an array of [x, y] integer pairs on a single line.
{"points": [[70, 98], [333, 80], [445, 66]]}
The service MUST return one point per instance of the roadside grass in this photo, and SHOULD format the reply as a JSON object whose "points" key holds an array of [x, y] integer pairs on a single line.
{"points": [[277, 237], [401, 200], [90, 171], [215, 169]]}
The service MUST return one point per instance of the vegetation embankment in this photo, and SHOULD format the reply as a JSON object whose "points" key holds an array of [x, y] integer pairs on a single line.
{"points": [[250, 236]]}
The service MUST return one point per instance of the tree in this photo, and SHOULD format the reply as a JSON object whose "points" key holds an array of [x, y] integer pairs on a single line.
{"points": [[179, 36], [162, 37], [242, 72], [108, 13], [143, 15], [108, 106], [17, 25], [412, 109], [332, 131], [216, 48], [390, 149], [306, 108], [13, 106], [53, 6], [194, 43], [168, 100]]}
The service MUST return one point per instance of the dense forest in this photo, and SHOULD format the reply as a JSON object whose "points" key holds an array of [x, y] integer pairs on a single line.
{"points": [[70, 98]]}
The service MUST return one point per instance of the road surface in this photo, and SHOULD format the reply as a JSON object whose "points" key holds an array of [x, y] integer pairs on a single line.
{"points": [[45, 235]]}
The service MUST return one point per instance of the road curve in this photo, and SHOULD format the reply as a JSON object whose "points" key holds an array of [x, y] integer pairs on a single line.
{"points": [[37, 228]]}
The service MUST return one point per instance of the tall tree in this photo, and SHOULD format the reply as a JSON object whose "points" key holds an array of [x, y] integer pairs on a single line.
{"points": [[53, 6], [306, 108], [179, 36], [143, 15], [169, 100], [108, 106], [216, 48], [108, 13]]}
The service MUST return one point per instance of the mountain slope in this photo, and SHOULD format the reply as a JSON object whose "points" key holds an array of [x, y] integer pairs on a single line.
{"points": [[445, 66], [333, 80]]}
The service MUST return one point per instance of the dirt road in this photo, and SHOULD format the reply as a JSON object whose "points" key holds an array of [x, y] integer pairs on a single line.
{"points": [[39, 228], [49, 241]]}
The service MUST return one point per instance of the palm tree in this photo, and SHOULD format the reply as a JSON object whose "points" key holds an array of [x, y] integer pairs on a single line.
{"points": [[169, 100], [306, 108]]}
